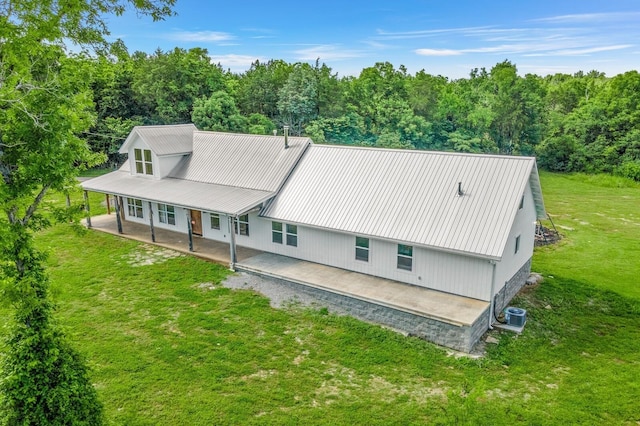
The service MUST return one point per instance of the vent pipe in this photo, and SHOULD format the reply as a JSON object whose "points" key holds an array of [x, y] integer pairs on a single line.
{"points": [[275, 132], [460, 191], [286, 137]]}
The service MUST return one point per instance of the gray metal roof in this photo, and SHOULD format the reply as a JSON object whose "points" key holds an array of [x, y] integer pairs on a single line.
{"points": [[409, 196], [245, 161], [163, 140], [193, 195]]}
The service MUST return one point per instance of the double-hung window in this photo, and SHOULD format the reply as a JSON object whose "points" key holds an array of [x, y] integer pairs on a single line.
{"points": [[276, 232], [292, 235], [362, 249], [166, 214], [405, 257], [243, 224], [134, 206], [144, 164], [215, 221]]}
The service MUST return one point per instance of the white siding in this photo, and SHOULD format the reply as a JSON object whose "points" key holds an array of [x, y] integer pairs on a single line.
{"points": [[523, 225], [463, 275], [167, 163]]}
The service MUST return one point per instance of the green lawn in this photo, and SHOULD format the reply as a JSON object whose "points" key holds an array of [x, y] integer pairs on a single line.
{"points": [[168, 345]]}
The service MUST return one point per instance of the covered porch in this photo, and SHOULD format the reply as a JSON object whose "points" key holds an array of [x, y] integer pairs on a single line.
{"points": [[443, 318]]}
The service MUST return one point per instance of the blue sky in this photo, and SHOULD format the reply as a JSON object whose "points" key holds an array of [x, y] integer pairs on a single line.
{"points": [[442, 37]]}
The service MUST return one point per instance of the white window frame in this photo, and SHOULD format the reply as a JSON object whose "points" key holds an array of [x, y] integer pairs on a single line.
{"points": [[292, 235], [404, 261], [243, 222], [277, 234], [134, 207], [143, 160], [213, 218], [362, 249], [167, 214]]}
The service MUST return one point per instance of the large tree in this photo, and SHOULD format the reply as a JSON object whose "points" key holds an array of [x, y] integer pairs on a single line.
{"points": [[45, 105]]}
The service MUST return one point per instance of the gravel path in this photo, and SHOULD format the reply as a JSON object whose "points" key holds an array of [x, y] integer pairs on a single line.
{"points": [[280, 294]]}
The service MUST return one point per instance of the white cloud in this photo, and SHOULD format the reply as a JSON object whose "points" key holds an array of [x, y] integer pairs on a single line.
{"points": [[581, 52], [591, 17], [201, 36], [236, 63], [438, 52], [326, 52]]}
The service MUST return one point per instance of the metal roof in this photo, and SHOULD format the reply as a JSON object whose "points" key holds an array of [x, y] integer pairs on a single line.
{"points": [[409, 196], [245, 161], [163, 140], [193, 195]]}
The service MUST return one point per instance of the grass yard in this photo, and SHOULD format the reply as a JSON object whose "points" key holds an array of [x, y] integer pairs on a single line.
{"points": [[168, 345]]}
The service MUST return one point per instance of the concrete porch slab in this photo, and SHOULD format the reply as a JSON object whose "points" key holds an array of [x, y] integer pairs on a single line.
{"points": [[420, 301]]}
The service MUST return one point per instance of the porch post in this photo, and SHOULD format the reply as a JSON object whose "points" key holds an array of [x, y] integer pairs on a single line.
{"points": [[108, 204], [86, 208], [118, 218], [190, 228], [232, 245], [153, 231]]}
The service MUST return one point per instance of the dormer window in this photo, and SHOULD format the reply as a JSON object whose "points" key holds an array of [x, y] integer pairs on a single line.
{"points": [[144, 165]]}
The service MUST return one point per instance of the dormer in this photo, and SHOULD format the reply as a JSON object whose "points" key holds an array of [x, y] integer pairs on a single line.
{"points": [[154, 151]]}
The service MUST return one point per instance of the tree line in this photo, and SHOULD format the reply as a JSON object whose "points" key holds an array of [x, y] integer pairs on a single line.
{"points": [[572, 123]]}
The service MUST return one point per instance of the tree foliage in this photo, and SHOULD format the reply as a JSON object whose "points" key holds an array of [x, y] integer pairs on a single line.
{"points": [[45, 105]]}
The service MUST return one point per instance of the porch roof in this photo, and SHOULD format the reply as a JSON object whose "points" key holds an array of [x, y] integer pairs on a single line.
{"points": [[179, 192]]}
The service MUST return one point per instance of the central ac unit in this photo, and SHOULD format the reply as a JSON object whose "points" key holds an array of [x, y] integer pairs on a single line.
{"points": [[515, 317]]}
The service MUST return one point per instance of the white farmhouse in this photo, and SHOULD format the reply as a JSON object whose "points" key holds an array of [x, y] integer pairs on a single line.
{"points": [[444, 227]]}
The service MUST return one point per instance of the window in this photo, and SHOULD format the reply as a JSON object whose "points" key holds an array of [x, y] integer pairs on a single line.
{"points": [[276, 232], [521, 202], [135, 207], [166, 214], [517, 244], [244, 224], [362, 249], [215, 221], [292, 235], [405, 257], [144, 164]]}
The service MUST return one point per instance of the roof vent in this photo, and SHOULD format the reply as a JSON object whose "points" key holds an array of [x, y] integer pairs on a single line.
{"points": [[286, 137], [275, 132], [460, 191]]}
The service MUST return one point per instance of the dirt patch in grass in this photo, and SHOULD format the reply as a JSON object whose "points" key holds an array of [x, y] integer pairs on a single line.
{"points": [[147, 254]]}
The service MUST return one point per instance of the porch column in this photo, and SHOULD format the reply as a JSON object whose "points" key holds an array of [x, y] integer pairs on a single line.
{"points": [[190, 228], [116, 204], [153, 231], [108, 204], [86, 208], [232, 245]]}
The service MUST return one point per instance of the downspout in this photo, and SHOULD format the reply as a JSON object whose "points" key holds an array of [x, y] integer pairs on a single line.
{"points": [[492, 295]]}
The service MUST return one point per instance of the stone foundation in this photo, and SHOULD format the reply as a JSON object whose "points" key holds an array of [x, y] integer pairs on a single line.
{"points": [[454, 336], [512, 287]]}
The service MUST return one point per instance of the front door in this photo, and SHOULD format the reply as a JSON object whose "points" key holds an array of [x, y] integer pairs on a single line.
{"points": [[196, 222]]}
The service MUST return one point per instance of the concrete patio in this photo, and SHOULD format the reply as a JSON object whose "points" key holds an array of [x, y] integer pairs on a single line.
{"points": [[431, 314]]}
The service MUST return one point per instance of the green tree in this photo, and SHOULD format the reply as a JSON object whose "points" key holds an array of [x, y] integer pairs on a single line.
{"points": [[218, 113], [45, 104], [297, 100], [170, 82], [259, 87]]}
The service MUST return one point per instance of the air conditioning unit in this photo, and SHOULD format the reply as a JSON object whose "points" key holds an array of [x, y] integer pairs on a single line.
{"points": [[515, 317]]}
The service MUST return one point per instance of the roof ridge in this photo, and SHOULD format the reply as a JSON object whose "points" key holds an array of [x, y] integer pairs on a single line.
{"points": [[424, 151]]}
